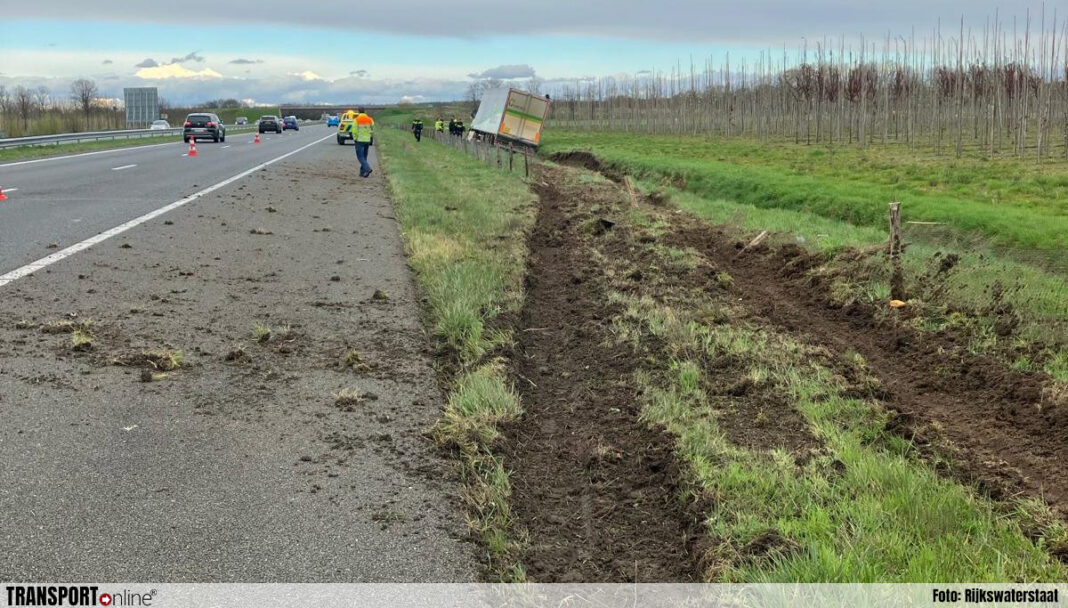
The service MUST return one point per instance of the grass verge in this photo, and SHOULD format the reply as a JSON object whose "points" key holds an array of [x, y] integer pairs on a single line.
{"points": [[980, 291], [464, 227], [1011, 203]]}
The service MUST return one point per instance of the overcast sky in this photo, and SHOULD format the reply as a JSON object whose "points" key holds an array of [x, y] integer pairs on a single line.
{"points": [[343, 51]]}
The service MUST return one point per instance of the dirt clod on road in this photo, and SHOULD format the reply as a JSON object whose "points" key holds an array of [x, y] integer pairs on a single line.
{"points": [[198, 439]]}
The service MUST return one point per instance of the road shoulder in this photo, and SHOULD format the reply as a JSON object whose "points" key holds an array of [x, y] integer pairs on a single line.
{"points": [[241, 463]]}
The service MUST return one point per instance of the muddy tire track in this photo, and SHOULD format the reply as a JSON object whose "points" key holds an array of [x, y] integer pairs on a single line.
{"points": [[597, 490]]}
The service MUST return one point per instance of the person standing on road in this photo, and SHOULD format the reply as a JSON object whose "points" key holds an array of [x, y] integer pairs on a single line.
{"points": [[363, 135], [417, 129]]}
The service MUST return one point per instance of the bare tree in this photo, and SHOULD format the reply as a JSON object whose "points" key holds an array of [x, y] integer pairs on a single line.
{"points": [[83, 91], [24, 104]]}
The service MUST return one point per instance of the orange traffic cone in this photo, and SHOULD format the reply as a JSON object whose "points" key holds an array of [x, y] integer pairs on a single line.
{"points": [[192, 146], [257, 140], [3, 197]]}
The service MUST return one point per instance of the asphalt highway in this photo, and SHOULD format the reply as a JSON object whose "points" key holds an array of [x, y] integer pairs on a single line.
{"points": [[239, 465], [58, 201]]}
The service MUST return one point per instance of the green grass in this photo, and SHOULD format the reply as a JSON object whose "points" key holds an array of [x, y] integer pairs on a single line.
{"points": [[826, 215], [1039, 297], [865, 508], [464, 227], [463, 224], [1010, 203]]}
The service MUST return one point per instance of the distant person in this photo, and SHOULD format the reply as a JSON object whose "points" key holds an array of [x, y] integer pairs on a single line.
{"points": [[363, 135], [439, 125], [417, 129], [460, 128], [452, 126]]}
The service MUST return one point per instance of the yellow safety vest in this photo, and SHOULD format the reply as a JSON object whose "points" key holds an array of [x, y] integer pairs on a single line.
{"points": [[362, 128]]}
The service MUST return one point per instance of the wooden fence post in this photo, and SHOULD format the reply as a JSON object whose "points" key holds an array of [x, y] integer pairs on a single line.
{"points": [[897, 280]]}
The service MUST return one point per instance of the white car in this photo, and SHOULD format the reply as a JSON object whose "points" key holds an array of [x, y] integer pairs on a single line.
{"points": [[160, 125]]}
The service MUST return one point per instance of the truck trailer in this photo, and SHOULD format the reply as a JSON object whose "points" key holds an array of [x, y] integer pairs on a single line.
{"points": [[510, 116]]}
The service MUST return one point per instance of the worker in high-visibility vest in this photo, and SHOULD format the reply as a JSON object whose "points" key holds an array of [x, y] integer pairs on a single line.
{"points": [[439, 125], [417, 129], [363, 135]]}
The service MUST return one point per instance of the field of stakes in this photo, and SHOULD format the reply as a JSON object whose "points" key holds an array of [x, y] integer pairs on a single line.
{"points": [[618, 355]]}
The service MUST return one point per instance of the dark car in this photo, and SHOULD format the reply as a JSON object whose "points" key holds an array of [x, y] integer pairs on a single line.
{"points": [[290, 122], [203, 125], [270, 123]]}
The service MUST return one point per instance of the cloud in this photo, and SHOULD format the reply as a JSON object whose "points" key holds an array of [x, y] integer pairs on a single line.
{"points": [[246, 61], [147, 63], [410, 99], [308, 75], [175, 70], [107, 62], [505, 72], [715, 21], [359, 73], [190, 57]]}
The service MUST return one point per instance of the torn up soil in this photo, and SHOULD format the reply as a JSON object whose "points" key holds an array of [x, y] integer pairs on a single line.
{"points": [[597, 490], [999, 428], [993, 423]]}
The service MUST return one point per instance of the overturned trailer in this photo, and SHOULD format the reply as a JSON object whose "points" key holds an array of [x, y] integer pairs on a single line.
{"points": [[510, 117]]}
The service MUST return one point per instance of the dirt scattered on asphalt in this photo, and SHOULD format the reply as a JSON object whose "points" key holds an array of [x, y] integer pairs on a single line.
{"points": [[197, 284]]}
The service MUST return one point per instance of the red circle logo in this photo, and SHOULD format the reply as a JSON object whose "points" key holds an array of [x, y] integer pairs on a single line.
{"points": [[105, 599]]}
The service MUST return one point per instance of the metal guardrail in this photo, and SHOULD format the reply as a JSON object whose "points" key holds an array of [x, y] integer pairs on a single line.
{"points": [[68, 138], [65, 138]]}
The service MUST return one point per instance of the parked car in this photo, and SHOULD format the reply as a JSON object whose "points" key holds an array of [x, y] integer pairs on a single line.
{"points": [[333, 121], [290, 123], [241, 120], [270, 123], [159, 125], [203, 125]]}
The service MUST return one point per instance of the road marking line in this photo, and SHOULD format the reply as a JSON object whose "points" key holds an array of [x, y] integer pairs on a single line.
{"points": [[10, 189], [51, 158], [123, 167], [44, 160], [33, 267], [225, 147]]}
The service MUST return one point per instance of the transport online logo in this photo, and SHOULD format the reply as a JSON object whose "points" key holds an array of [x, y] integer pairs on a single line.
{"points": [[74, 595]]}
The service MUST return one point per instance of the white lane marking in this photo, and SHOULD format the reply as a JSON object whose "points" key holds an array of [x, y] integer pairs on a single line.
{"points": [[123, 167], [51, 158], [10, 189], [33, 267], [226, 146]]}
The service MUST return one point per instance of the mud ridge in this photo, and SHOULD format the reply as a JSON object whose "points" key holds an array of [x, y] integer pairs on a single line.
{"points": [[993, 423], [597, 490]]}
